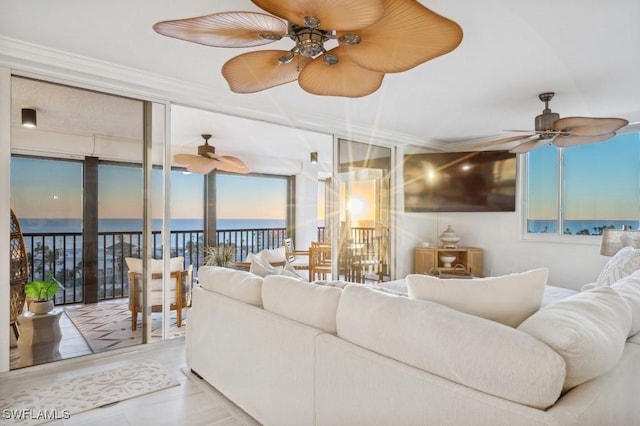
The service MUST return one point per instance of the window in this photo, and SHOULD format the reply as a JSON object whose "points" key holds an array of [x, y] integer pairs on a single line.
{"points": [[120, 191], [46, 194], [250, 201], [582, 190]]}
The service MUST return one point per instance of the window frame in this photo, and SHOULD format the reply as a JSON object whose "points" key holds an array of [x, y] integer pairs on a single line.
{"points": [[559, 236]]}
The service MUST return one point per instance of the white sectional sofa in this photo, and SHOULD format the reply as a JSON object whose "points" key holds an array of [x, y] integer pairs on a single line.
{"points": [[297, 353]]}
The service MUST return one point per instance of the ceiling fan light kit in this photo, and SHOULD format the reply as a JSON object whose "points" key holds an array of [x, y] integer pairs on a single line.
{"points": [[373, 37], [561, 132]]}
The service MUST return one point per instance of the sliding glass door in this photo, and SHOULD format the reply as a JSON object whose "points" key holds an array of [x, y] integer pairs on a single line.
{"points": [[364, 212], [82, 185]]}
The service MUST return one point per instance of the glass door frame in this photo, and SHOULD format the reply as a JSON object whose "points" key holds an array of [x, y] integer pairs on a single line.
{"points": [[332, 219]]}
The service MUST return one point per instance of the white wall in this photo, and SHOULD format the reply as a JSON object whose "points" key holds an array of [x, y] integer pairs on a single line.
{"points": [[571, 264], [5, 216], [572, 260], [307, 202]]}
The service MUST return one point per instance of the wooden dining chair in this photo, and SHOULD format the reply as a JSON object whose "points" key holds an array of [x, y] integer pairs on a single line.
{"points": [[319, 260]]}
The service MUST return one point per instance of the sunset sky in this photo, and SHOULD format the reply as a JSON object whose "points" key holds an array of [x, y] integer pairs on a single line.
{"points": [[53, 189], [617, 191]]}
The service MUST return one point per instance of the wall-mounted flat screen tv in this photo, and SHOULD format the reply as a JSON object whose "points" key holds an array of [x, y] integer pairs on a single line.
{"points": [[482, 181]]}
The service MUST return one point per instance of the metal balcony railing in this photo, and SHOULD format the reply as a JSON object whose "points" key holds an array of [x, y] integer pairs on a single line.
{"points": [[61, 254]]}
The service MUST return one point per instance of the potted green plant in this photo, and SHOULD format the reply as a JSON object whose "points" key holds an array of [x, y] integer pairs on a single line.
{"points": [[41, 293]]}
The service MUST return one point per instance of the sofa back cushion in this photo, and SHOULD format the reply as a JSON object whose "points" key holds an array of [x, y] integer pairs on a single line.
{"points": [[240, 285], [587, 329], [508, 299], [157, 267], [629, 288], [465, 349], [308, 303]]}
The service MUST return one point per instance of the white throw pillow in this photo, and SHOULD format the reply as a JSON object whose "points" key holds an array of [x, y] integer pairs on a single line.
{"points": [[623, 263], [273, 255], [588, 330], [290, 271], [508, 299], [260, 266], [629, 288]]}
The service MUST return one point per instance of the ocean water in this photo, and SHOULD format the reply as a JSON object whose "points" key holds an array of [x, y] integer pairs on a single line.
{"points": [[579, 227], [135, 225]]}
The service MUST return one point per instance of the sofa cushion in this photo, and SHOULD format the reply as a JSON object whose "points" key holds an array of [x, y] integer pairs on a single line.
{"points": [[629, 288], [508, 299], [239, 285], [308, 303], [623, 263], [465, 349], [588, 330], [156, 265]]}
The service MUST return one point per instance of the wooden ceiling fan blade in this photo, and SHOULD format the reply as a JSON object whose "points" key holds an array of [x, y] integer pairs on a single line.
{"points": [[184, 158], [233, 165], [576, 140], [203, 166], [227, 29], [200, 168], [529, 145], [260, 70], [344, 78], [407, 35], [333, 14], [589, 126]]}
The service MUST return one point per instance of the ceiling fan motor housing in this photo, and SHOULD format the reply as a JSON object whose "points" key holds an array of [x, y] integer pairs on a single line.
{"points": [[544, 121], [206, 150]]}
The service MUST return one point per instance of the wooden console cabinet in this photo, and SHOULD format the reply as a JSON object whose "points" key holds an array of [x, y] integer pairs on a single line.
{"points": [[428, 258]]}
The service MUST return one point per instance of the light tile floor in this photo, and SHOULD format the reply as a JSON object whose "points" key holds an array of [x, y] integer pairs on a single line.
{"points": [[72, 344], [194, 402]]}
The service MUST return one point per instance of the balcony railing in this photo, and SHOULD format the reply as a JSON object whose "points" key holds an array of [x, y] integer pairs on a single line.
{"points": [[61, 254]]}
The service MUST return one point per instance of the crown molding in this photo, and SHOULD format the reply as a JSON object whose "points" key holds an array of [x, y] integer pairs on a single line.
{"points": [[37, 61]]}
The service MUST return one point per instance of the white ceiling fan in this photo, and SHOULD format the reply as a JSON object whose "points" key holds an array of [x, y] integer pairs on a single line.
{"points": [[561, 132], [207, 161]]}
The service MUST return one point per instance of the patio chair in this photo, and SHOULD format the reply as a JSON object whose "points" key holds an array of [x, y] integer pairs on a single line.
{"points": [[319, 260], [299, 259], [179, 291]]}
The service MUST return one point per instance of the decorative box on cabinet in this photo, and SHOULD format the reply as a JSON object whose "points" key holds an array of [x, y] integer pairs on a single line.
{"points": [[428, 258]]}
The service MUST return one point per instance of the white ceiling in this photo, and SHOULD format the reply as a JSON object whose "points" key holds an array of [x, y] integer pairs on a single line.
{"points": [[584, 50]]}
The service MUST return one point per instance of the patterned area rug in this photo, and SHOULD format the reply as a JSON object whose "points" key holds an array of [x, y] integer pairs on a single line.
{"points": [[65, 398], [107, 325]]}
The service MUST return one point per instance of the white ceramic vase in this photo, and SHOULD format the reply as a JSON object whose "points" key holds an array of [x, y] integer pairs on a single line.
{"points": [[449, 238]]}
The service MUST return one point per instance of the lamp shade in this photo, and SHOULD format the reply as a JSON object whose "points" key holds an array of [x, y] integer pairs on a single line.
{"points": [[29, 117], [615, 239]]}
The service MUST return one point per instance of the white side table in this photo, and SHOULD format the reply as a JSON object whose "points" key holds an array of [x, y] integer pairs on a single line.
{"points": [[40, 337]]}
